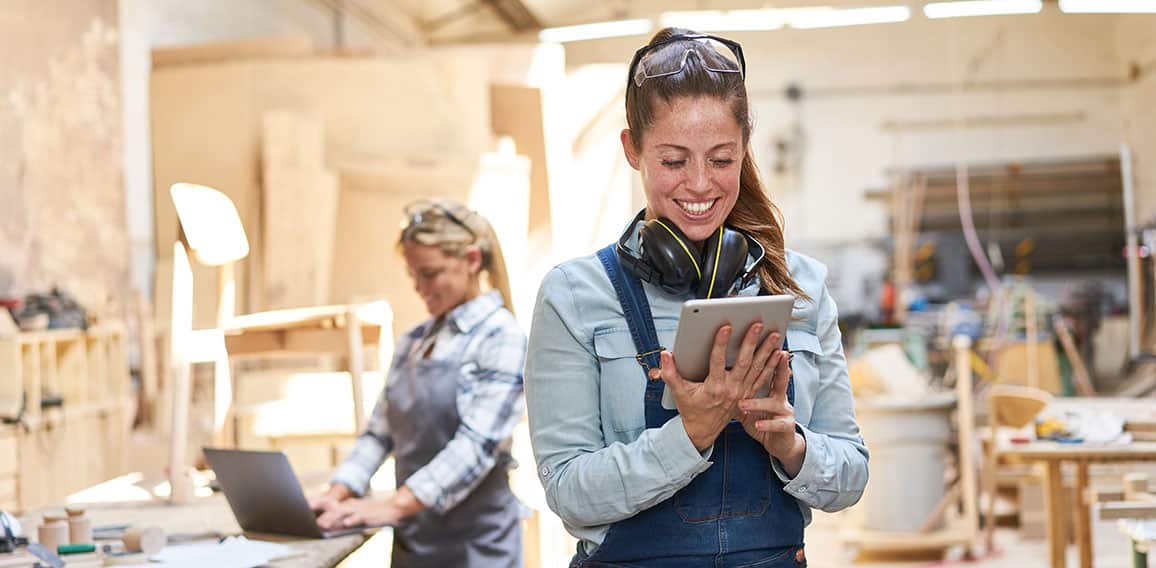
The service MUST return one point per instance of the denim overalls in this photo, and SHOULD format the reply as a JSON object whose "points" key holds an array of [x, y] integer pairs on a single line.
{"points": [[735, 514]]}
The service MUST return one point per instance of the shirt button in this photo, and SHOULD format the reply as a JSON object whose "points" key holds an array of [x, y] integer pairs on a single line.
{"points": [[802, 488], [545, 471]]}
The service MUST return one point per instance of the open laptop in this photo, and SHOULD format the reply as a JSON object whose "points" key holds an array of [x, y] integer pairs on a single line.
{"points": [[265, 495]]}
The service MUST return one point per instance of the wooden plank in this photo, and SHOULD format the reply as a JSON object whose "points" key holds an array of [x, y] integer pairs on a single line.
{"points": [[1013, 365], [1083, 522], [316, 316], [146, 334], [1095, 453], [301, 341], [516, 111], [9, 451], [356, 360], [966, 431], [30, 365], [11, 377], [372, 197], [50, 379], [300, 207], [1126, 510], [98, 370], [204, 130], [72, 366], [257, 48], [1079, 371], [1057, 540]]}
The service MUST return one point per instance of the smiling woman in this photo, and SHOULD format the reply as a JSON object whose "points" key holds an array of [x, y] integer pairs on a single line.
{"points": [[453, 396], [730, 478]]}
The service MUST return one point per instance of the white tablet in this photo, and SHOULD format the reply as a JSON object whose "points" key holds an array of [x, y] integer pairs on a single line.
{"points": [[701, 319]]}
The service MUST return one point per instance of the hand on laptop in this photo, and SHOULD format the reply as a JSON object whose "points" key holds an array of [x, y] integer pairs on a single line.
{"points": [[328, 500], [372, 512]]}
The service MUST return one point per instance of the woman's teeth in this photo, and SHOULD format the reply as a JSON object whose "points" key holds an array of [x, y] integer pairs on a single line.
{"points": [[696, 207]]}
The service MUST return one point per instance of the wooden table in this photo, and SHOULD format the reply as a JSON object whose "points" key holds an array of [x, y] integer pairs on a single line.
{"points": [[1053, 455], [211, 515], [341, 330]]}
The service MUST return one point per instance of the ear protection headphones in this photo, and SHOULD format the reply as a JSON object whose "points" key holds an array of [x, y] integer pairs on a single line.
{"points": [[669, 260]]}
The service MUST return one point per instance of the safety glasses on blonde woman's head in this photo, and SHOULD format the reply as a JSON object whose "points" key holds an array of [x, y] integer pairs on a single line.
{"points": [[669, 57], [419, 213]]}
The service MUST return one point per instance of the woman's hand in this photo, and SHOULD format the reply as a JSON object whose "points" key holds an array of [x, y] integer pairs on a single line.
{"points": [[374, 512], [771, 420], [707, 407], [337, 493]]}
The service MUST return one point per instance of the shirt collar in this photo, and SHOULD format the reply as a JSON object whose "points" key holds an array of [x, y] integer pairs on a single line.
{"points": [[468, 315]]}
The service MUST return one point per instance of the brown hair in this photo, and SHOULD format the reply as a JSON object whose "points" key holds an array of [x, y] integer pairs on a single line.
{"points": [[754, 213], [452, 227]]}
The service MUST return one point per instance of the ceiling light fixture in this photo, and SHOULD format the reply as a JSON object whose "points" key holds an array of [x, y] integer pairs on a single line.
{"points": [[1108, 6], [599, 30], [725, 21], [970, 8], [829, 18]]}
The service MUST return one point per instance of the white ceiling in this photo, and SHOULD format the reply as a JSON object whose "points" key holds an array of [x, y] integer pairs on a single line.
{"points": [[451, 21]]}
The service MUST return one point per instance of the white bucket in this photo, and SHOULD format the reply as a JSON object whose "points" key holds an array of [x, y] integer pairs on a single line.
{"points": [[908, 444]]}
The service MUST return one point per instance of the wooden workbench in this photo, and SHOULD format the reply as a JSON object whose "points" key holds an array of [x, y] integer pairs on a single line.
{"points": [[1053, 455], [209, 516]]}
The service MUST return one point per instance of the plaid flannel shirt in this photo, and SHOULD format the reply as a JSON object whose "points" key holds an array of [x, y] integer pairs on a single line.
{"points": [[492, 350]]}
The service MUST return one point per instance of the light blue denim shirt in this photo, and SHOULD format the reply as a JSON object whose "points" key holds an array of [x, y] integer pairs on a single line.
{"points": [[584, 390]]}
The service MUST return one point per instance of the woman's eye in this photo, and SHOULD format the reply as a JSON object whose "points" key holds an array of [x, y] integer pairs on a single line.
{"points": [[673, 163], [722, 163]]}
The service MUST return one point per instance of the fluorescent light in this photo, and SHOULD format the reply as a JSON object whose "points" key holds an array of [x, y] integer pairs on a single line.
{"points": [[981, 8], [725, 21], [597, 30], [828, 17], [1108, 6]]}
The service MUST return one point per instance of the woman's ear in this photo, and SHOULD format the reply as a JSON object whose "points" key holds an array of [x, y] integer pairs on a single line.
{"points": [[473, 257], [628, 148]]}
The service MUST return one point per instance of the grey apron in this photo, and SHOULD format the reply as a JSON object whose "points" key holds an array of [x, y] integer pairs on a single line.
{"points": [[483, 530]]}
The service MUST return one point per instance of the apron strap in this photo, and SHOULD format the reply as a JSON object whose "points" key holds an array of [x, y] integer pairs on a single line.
{"points": [[635, 307]]}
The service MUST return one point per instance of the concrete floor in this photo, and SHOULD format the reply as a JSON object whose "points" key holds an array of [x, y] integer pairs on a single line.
{"points": [[825, 550], [1111, 549]]}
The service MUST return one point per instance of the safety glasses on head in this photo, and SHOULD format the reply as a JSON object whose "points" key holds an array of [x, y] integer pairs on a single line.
{"points": [[420, 214], [669, 57]]}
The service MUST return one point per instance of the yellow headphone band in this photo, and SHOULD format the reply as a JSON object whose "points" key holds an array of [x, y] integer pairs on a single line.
{"points": [[717, 254], [683, 245]]}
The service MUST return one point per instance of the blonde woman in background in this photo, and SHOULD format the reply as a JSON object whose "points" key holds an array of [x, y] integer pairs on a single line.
{"points": [[452, 399]]}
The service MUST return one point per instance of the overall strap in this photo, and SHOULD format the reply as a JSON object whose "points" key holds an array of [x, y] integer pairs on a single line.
{"points": [[636, 309]]}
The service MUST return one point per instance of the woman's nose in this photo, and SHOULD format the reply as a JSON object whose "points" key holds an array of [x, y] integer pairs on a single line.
{"points": [[699, 173]]}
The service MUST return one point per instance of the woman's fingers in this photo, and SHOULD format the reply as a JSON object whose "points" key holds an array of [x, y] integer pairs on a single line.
{"points": [[331, 518], [718, 351], [746, 354], [668, 373], [775, 425], [763, 406], [762, 368], [354, 518], [782, 377]]}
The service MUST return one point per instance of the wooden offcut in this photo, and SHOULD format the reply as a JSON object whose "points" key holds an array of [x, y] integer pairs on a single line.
{"points": [[300, 210]]}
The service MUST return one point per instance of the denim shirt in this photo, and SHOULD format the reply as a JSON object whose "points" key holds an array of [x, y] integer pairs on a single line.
{"points": [[597, 461]]}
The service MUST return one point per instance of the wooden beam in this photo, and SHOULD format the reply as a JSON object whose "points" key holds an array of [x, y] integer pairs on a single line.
{"points": [[263, 48], [515, 14]]}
